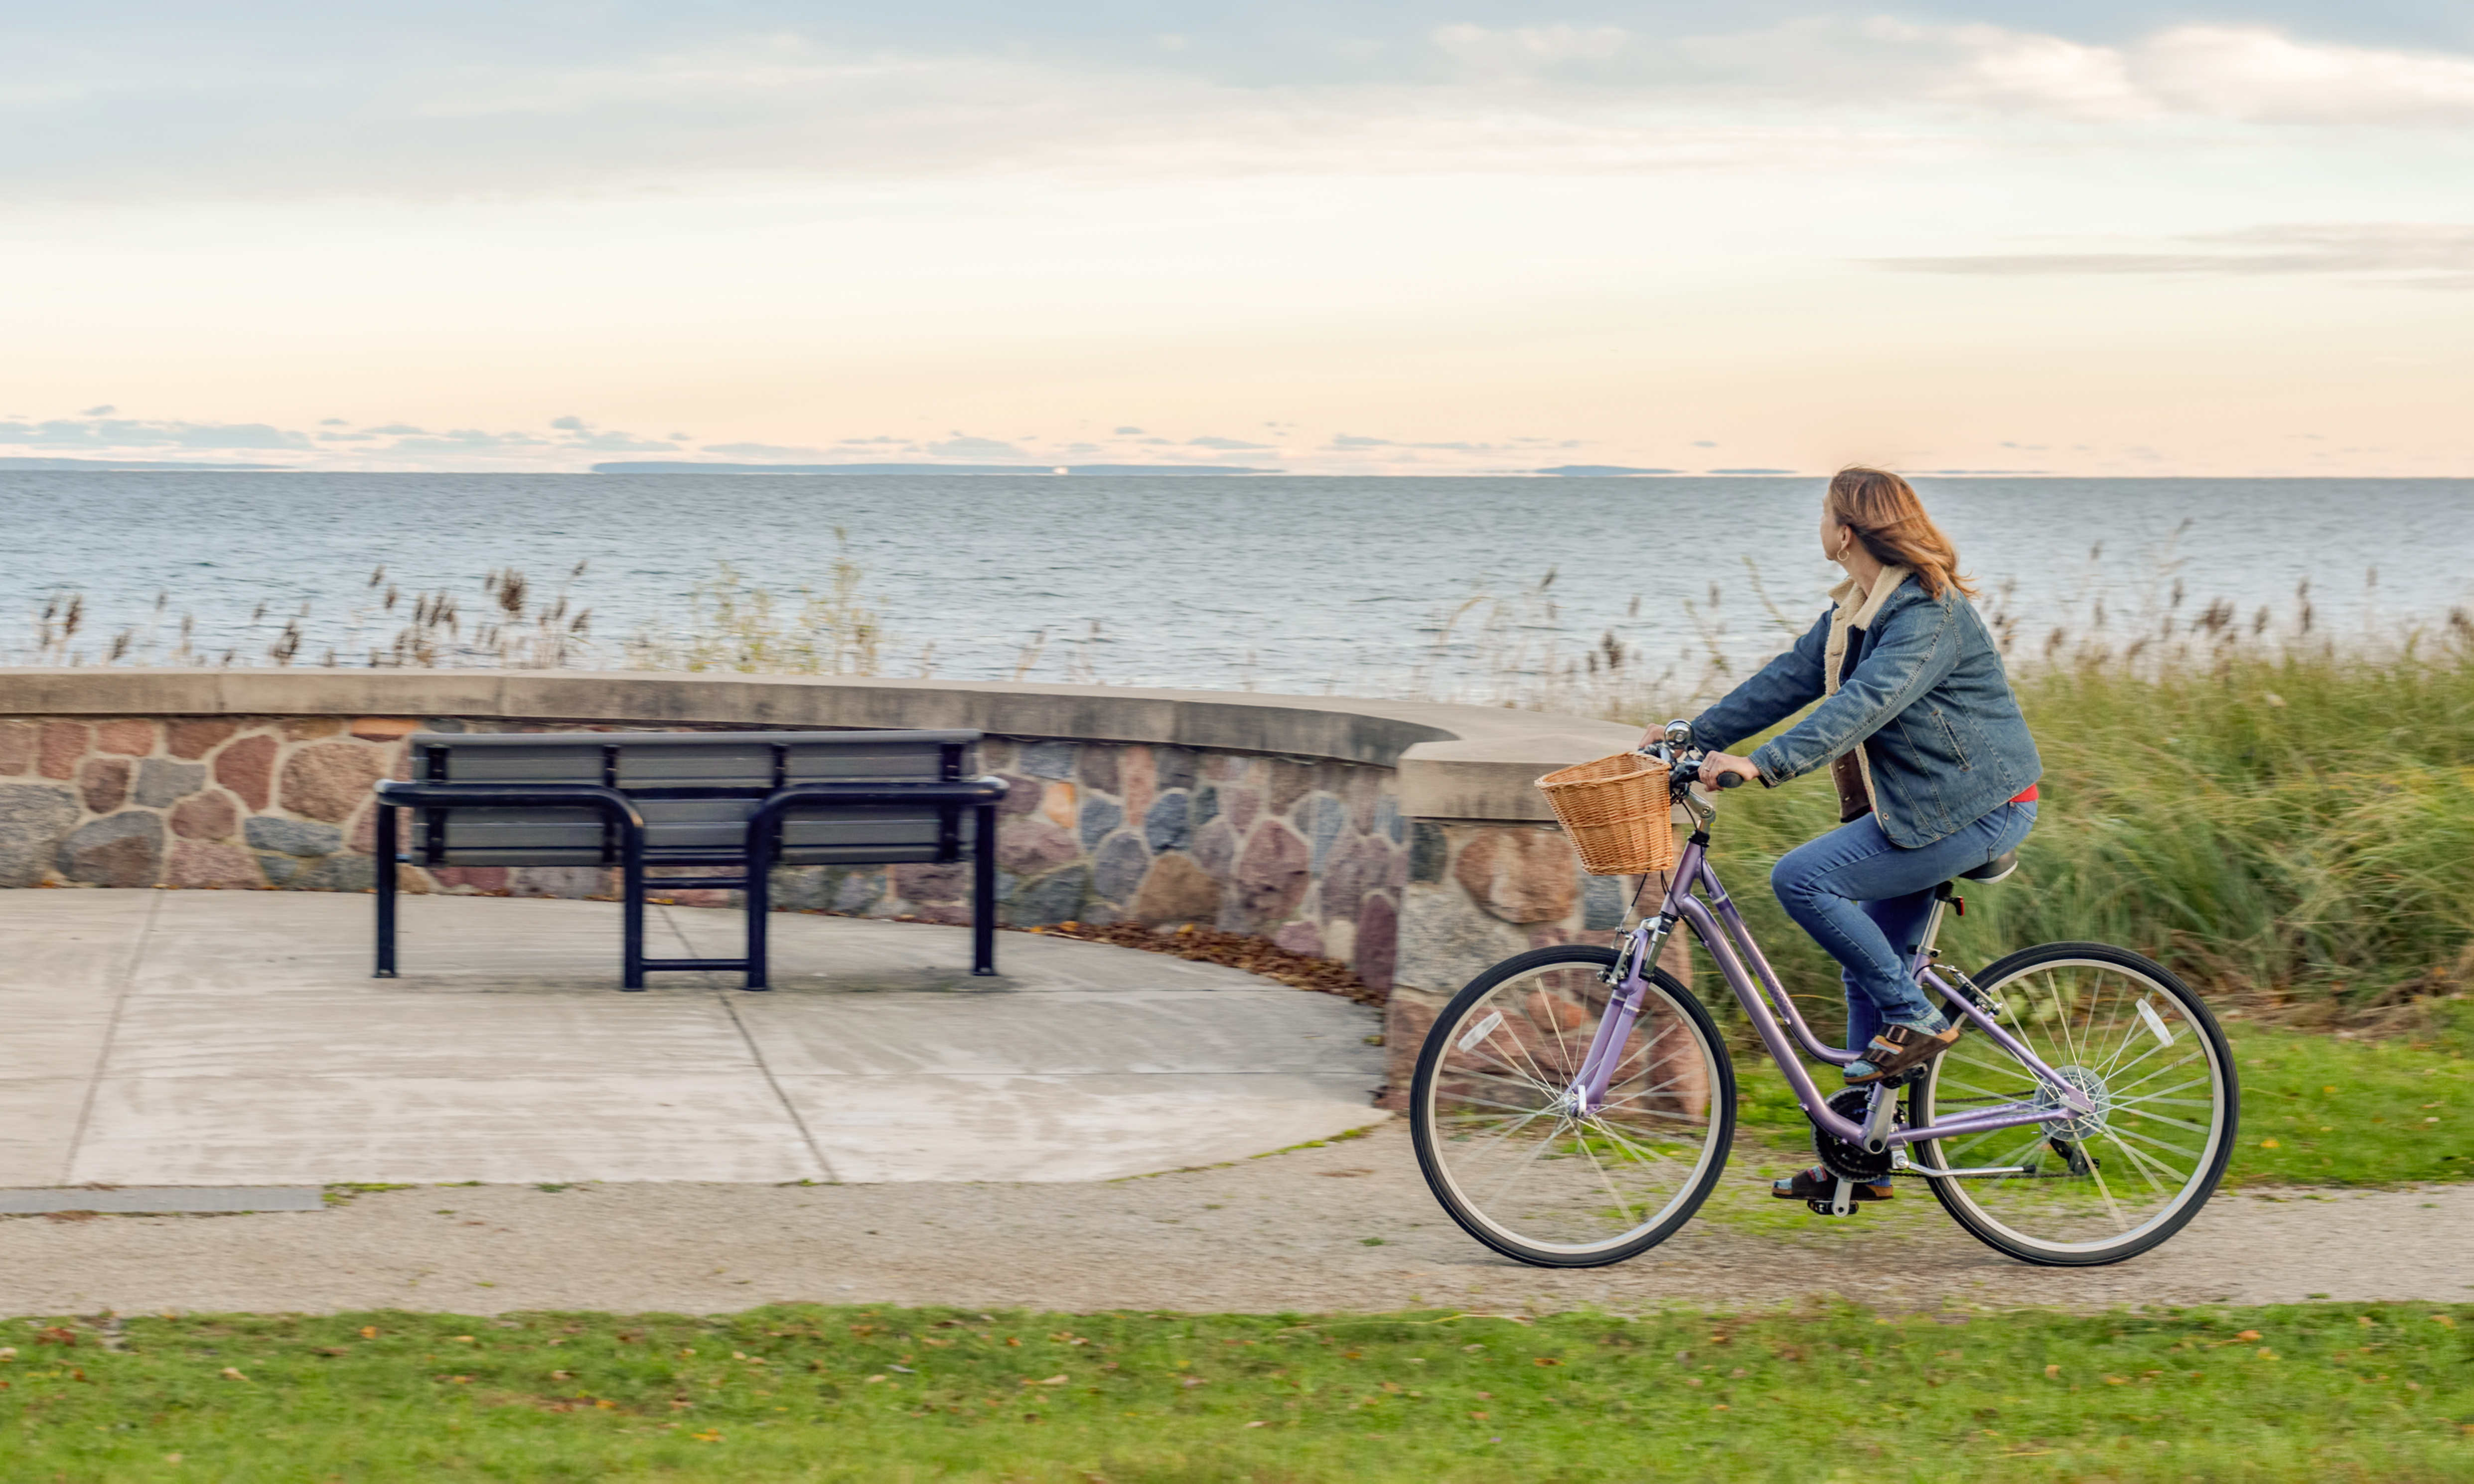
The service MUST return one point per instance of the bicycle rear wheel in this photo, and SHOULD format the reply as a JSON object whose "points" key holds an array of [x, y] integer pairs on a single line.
{"points": [[1511, 1160], [2112, 1185]]}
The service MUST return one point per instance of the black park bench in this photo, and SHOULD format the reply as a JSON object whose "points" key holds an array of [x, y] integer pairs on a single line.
{"points": [[732, 804]]}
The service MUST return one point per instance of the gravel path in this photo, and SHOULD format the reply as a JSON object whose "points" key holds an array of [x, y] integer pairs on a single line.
{"points": [[1296, 1230]]}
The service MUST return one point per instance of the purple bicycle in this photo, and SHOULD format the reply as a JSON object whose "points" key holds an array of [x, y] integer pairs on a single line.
{"points": [[1574, 1106]]}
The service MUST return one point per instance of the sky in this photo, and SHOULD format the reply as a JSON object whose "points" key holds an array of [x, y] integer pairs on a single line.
{"points": [[2216, 237]]}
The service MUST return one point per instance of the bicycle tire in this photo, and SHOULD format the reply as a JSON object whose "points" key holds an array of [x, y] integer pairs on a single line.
{"points": [[1673, 1006], [1977, 1204]]}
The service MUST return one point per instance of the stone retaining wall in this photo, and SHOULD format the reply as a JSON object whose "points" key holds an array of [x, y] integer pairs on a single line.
{"points": [[1308, 853], [1401, 838]]}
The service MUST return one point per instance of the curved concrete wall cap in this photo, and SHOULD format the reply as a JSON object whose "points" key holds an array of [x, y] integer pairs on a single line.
{"points": [[1470, 762]]}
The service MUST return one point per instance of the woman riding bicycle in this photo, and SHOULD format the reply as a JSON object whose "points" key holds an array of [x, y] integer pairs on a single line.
{"points": [[1935, 770]]}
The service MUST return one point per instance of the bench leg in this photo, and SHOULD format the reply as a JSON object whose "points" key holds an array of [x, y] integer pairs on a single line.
{"points": [[758, 898], [386, 852], [984, 893], [631, 897]]}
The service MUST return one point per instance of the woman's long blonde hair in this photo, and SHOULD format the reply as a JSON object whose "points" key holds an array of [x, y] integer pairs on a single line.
{"points": [[1883, 512]]}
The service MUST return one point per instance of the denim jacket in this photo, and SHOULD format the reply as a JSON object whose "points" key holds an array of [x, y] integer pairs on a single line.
{"points": [[1923, 698]]}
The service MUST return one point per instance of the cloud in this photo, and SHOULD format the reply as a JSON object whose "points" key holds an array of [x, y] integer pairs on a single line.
{"points": [[466, 441], [963, 446], [457, 100], [394, 428], [1223, 443], [105, 411], [570, 424], [2422, 254], [1353, 440], [130, 433], [1129, 432], [612, 441], [763, 450]]}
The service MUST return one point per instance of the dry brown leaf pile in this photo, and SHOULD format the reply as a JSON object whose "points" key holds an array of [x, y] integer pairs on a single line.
{"points": [[1236, 950]]}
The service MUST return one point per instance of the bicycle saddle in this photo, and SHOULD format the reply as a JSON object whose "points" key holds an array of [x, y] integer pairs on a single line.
{"points": [[1994, 870]]}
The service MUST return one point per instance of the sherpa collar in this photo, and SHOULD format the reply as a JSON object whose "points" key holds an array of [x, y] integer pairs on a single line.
{"points": [[1847, 592]]}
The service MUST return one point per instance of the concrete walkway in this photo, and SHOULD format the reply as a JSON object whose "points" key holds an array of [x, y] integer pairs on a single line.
{"points": [[1346, 1226], [235, 1038]]}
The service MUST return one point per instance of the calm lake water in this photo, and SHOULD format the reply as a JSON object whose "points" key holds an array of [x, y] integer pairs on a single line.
{"points": [[1281, 583]]}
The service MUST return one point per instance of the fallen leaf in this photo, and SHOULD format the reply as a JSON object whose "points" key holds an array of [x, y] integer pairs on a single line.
{"points": [[369, 1331], [872, 1379], [231, 1375], [2247, 1334], [1258, 1425], [705, 1437], [2053, 1370]]}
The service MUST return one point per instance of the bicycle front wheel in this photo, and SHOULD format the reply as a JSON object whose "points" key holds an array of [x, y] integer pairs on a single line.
{"points": [[2109, 1186], [1517, 1163]]}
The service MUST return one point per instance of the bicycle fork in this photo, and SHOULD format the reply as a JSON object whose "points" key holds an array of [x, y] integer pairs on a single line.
{"points": [[1629, 980]]}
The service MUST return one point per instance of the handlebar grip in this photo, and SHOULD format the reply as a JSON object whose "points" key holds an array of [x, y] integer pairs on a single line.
{"points": [[1730, 780]]}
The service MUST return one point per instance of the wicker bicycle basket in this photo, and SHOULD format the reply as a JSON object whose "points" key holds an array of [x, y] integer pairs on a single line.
{"points": [[1617, 813]]}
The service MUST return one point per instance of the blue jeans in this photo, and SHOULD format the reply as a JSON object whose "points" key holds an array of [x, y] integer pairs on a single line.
{"points": [[1865, 900]]}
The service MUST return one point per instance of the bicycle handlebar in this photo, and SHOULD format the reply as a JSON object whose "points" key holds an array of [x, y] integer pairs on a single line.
{"points": [[1688, 772]]}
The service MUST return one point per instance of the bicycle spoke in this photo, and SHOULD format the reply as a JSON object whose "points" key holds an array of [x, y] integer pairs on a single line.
{"points": [[1645, 1152], [1522, 1167], [2156, 1142], [1622, 1207], [2155, 1072], [2106, 1191], [1515, 1076], [2146, 1167]]}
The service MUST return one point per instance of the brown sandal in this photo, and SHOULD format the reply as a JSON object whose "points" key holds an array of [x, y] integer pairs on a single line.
{"points": [[1897, 1048]]}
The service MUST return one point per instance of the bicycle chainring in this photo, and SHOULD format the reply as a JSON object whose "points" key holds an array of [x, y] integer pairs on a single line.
{"points": [[1851, 1160]]}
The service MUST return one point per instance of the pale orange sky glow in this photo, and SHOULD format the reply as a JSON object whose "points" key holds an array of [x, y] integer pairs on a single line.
{"points": [[1400, 239]]}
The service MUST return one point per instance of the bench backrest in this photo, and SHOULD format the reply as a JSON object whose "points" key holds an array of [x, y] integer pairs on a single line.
{"points": [[696, 791]]}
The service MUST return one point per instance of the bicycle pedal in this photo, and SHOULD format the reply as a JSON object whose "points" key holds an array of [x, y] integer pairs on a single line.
{"points": [[1821, 1208]]}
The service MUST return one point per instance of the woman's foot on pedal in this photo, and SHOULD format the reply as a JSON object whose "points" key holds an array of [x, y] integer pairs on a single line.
{"points": [[1899, 1045], [1817, 1183]]}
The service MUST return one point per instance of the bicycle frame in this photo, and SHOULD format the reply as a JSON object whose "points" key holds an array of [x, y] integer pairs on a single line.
{"points": [[1722, 931]]}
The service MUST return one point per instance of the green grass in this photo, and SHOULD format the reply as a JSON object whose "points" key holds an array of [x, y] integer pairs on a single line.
{"points": [[2319, 1111], [2358, 1111], [2383, 1391]]}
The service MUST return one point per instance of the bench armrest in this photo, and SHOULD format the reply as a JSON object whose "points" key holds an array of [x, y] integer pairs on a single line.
{"points": [[511, 796]]}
